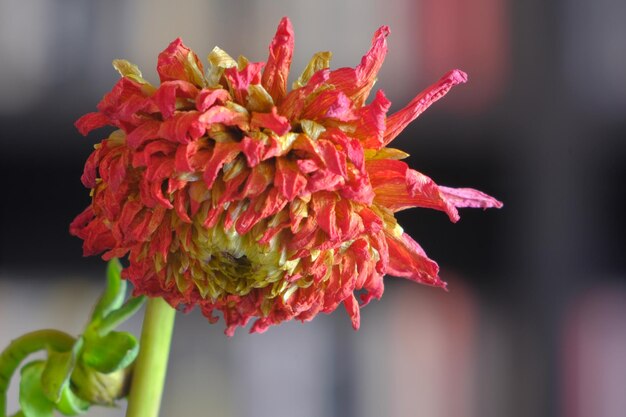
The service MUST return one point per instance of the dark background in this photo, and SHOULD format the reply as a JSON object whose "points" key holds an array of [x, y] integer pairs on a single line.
{"points": [[540, 125]]}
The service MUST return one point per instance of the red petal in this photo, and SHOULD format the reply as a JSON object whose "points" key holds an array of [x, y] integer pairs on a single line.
{"points": [[169, 91], [352, 307], [356, 83], [276, 72], [123, 102], [398, 187], [223, 115], [294, 102], [91, 121], [183, 127], [173, 62], [330, 104], [398, 121], [288, 179], [240, 80], [146, 131], [371, 126], [468, 197], [207, 98], [407, 259], [223, 153], [273, 121]]}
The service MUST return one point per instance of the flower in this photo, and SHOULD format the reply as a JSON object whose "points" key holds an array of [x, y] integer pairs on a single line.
{"points": [[228, 192]]}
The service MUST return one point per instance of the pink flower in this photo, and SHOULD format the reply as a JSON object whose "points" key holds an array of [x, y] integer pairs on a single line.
{"points": [[228, 192]]}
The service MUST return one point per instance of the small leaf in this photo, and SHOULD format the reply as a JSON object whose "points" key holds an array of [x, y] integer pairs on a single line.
{"points": [[115, 292], [32, 399], [114, 351], [70, 404], [58, 370], [117, 317]]}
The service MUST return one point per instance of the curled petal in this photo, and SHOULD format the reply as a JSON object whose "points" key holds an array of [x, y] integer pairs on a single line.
{"points": [[408, 260], [398, 121], [177, 62], [165, 97], [240, 80], [468, 197], [398, 187], [357, 82], [371, 125], [91, 121], [273, 121], [207, 98], [275, 74], [352, 307]]}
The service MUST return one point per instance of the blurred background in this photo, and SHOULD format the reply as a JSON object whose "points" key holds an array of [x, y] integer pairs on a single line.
{"points": [[533, 324]]}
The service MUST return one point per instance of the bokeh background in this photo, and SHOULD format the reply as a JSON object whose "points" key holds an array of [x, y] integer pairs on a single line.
{"points": [[534, 323]]}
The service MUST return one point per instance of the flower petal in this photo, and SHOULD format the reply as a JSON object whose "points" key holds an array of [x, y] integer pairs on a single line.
{"points": [[408, 260], [357, 82], [273, 121], [275, 74], [468, 197], [398, 187], [91, 121], [177, 62], [398, 121]]}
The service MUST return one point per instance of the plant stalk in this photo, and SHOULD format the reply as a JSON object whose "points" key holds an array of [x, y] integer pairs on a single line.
{"points": [[151, 364]]}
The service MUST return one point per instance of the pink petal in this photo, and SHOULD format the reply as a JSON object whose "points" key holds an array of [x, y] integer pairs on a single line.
{"points": [[330, 104], [288, 179], [398, 187], [356, 83], [240, 80], [273, 121], [275, 75], [398, 121], [408, 260], [207, 98], [371, 124], [468, 197]]}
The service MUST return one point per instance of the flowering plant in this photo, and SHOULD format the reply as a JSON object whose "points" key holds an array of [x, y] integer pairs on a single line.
{"points": [[229, 192]]}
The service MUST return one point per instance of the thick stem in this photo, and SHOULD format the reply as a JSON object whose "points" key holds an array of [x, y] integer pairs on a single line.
{"points": [[23, 346], [151, 365]]}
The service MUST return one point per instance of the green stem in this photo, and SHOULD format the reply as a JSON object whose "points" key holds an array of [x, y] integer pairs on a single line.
{"points": [[23, 346], [151, 365]]}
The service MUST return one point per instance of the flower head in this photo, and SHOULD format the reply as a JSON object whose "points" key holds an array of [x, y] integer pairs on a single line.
{"points": [[229, 192]]}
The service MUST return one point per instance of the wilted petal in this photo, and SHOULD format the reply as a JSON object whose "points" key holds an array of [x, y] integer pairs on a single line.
{"points": [[356, 83], [177, 62], [408, 260], [398, 121], [91, 121], [273, 121], [277, 69], [166, 95], [468, 197], [398, 187]]}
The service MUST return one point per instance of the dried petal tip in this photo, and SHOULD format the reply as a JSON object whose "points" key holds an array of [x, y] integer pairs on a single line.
{"points": [[230, 193]]}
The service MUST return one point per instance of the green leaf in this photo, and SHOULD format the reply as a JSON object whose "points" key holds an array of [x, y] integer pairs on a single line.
{"points": [[117, 317], [33, 401], [114, 351], [70, 404], [114, 294], [58, 370]]}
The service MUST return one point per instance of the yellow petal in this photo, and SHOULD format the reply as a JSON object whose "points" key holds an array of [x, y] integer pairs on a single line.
{"points": [[320, 60]]}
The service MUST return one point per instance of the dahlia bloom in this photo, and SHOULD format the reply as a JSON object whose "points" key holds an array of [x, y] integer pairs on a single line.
{"points": [[228, 192]]}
